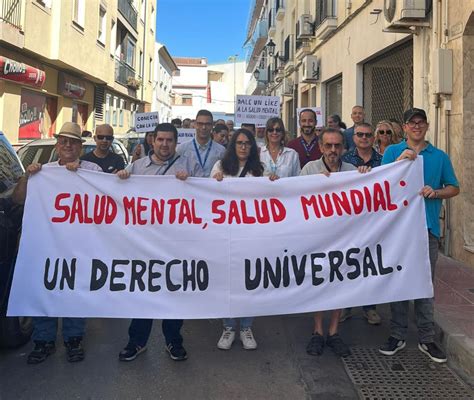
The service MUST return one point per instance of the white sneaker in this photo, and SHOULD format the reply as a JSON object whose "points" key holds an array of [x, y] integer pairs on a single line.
{"points": [[247, 339], [226, 340]]}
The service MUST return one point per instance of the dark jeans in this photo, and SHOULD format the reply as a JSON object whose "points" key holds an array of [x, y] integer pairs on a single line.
{"points": [[424, 308], [140, 329], [45, 328]]}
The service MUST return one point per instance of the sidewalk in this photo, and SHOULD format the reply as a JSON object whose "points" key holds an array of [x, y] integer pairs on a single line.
{"points": [[454, 312]]}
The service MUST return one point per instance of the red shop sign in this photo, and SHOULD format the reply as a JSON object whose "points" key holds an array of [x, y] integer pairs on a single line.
{"points": [[19, 72]]}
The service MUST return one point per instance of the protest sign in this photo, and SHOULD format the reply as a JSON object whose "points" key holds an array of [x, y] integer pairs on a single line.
{"points": [[158, 247], [317, 110], [146, 122], [185, 135], [256, 109]]}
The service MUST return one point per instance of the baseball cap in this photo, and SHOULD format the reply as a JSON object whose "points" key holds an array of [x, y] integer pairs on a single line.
{"points": [[409, 114], [71, 130]]}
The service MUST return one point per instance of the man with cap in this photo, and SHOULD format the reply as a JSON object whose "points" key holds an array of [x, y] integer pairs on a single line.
{"points": [[440, 183], [162, 161], [102, 154], [306, 145], [68, 147]]}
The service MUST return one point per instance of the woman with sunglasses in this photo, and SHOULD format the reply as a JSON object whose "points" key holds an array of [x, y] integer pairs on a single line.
{"points": [[279, 161], [385, 136], [240, 160]]}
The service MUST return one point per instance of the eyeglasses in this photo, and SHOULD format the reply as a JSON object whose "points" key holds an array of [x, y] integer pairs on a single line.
{"points": [[329, 146], [382, 132], [243, 143], [421, 124], [109, 138], [368, 135], [277, 130]]}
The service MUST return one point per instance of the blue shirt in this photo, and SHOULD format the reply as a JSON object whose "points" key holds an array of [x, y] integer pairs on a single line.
{"points": [[353, 158], [438, 172], [209, 154]]}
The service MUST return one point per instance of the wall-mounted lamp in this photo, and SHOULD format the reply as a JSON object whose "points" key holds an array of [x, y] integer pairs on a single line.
{"points": [[256, 74], [271, 47]]}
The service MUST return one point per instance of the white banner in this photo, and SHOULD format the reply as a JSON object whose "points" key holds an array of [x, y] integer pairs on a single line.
{"points": [[157, 247], [185, 135], [256, 109], [146, 122]]}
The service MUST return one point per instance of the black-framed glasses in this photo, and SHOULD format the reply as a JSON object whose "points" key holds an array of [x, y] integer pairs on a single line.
{"points": [[243, 143], [421, 124], [368, 135], [382, 132], [109, 138], [271, 130]]}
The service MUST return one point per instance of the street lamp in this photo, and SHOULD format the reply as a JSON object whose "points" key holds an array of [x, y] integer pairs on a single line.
{"points": [[271, 47], [256, 74]]}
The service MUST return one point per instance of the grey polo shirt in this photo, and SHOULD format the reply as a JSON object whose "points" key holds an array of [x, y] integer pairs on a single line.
{"points": [[146, 166], [318, 167], [216, 151]]}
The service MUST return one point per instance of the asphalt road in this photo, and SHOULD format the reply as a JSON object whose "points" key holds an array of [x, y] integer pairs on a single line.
{"points": [[278, 369]]}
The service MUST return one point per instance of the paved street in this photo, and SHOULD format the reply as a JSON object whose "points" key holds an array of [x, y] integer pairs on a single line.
{"points": [[279, 368]]}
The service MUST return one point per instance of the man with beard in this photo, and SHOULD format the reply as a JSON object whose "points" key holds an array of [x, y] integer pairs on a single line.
{"points": [[306, 145]]}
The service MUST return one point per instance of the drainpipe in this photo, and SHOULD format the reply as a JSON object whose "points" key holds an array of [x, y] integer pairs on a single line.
{"points": [[144, 51]]}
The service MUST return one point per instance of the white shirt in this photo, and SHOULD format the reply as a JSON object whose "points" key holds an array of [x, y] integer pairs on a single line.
{"points": [[218, 168], [318, 167], [286, 165], [83, 164]]}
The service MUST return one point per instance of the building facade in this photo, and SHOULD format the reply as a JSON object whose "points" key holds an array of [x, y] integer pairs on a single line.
{"points": [[385, 55], [93, 60], [165, 69], [208, 86]]}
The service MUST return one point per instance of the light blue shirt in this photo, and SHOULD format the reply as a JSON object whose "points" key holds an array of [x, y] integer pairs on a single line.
{"points": [[216, 152], [438, 172]]}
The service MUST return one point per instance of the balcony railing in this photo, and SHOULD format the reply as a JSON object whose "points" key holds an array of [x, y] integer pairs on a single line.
{"points": [[126, 8], [124, 73], [10, 12]]}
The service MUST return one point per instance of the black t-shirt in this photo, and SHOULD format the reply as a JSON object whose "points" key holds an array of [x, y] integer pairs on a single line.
{"points": [[111, 163]]}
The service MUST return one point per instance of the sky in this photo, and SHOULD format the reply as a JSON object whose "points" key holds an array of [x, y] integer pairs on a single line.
{"points": [[215, 29]]}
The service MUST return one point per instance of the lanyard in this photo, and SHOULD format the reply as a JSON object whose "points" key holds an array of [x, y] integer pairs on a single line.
{"points": [[170, 165], [309, 148], [202, 164]]}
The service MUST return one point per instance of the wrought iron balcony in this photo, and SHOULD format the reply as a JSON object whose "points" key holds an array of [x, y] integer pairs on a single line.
{"points": [[124, 73], [10, 12], [126, 8]]}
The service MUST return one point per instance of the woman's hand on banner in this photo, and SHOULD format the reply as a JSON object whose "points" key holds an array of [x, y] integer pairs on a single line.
{"points": [[123, 174]]}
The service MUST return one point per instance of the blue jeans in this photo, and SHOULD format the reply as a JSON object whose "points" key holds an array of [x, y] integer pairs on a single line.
{"points": [[424, 308], [140, 329], [45, 328], [245, 322]]}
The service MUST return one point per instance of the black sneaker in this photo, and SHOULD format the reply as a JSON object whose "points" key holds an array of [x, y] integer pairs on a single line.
{"points": [[433, 351], [392, 346], [338, 346], [130, 352], [316, 345], [41, 351], [176, 352], [74, 349]]}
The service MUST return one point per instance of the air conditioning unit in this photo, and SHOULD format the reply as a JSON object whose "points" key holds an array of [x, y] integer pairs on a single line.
{"points": [[287, 86], [406, 13], [305, 27], [311, 69]]}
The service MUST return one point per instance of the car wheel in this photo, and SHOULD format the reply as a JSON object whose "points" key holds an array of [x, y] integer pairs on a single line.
{"points": [[15, 331]]}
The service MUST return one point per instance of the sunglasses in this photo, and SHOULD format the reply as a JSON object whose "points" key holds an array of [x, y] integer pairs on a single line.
{"points": [[382, 132], [271, 130], [109, 138], [329, 146], [364, 134]]}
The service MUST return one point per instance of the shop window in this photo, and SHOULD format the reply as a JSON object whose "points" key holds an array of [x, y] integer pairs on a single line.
{"points": [[187, 99]]}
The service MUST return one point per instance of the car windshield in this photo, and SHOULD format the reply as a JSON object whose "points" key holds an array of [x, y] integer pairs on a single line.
{"points": [[10, 168]]}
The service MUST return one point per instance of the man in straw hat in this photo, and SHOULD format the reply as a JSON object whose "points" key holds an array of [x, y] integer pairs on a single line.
{"points": [[68, 147]]}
